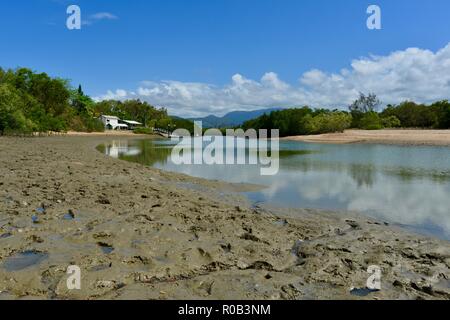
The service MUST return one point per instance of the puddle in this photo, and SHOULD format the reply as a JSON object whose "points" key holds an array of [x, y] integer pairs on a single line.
{"points": [[35, 219], [6, 235], [24, 260], [363, 292], [162, 259], [191, 186], [296, 247], [69, 216], [106, 248], [281, 223], [100, 267]]}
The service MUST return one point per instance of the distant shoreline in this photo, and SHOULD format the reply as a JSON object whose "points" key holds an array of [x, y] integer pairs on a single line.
{"points": [[415, 137], [105, 133], [388, 136]]}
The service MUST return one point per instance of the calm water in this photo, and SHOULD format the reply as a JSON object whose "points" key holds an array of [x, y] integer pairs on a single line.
{"points": [[404, 185]]}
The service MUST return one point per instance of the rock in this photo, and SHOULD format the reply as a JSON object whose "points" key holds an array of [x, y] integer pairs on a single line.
{"points": [[103, 200], [398, 284], [226, 248], [250, 237], [101, 235], [428, 289], [103, 284], [290, 292], [242, 265], [353, 224]]}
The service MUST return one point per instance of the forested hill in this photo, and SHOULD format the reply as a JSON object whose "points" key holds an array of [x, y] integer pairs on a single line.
{"points": [[232, 119]]}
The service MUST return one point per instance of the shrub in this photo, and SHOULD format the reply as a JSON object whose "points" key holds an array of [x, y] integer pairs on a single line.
{"points": [[327, 122], [143, 131], [391, 122], [371, 121], [94, 125]]}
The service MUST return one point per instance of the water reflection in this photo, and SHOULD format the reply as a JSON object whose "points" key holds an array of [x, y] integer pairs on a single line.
{"points": [[148, 152], [404, 185]]}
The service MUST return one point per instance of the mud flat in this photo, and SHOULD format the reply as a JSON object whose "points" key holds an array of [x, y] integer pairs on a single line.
{"points": [[140, 233], [403, 137]]}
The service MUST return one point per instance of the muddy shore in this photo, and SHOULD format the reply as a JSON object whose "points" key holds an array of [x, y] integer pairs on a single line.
{"points": [[140, 233]]}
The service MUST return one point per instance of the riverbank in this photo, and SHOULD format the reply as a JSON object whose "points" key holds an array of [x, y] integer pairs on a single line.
{"points": [[389, 136], [109, 133], [140, 233]]}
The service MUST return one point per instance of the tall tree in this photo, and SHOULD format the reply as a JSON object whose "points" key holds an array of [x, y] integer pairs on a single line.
{"points": [[365, 103]]}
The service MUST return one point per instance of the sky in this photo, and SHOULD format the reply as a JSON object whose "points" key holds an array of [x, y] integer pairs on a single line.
{"points": [[199, 57]]}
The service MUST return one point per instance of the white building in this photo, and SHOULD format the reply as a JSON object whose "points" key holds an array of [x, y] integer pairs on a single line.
{"points": [[132, 124], [112, 123], [116, 149]]}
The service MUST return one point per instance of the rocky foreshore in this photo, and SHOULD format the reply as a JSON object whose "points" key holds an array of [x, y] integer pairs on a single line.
{"points": [[140, 233]]}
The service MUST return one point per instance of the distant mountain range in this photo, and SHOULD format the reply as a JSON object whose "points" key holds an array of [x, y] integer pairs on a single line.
{"points": [[232, 119]]}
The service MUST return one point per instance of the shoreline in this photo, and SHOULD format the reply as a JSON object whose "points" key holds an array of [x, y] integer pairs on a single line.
{"points": [[386, 136], [141, 233], [106, 134]]}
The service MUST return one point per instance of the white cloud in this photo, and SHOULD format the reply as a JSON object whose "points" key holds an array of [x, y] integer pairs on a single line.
{"points": [[98, 17], [119, 94], [412, 74], [103, 16]]}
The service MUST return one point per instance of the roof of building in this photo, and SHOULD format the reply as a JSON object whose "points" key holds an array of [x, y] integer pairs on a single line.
{"points": [[132, 122], [110, 117]]}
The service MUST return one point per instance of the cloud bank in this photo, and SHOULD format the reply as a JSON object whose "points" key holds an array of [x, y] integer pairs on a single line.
{"points": [[412, 74]]}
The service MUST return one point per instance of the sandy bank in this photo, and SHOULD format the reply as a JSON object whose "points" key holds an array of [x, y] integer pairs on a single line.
{"points": [[140, 233], [114, 133], [408, 137]]}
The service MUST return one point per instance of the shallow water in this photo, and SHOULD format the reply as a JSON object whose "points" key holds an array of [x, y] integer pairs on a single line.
{"points": [[23, 260], [363, 292], [106, 249], [404, 185]]}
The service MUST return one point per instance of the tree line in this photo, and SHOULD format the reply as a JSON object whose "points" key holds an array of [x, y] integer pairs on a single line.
{"points": [[361, 114], [35, 102]]}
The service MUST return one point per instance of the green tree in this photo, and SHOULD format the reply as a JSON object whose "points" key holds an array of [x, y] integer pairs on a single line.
{"points": [[370, 121], [391, 122], [364, 104], [11, 111], [328, 122]]}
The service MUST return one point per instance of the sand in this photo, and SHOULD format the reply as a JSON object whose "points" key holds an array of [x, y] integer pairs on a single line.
{"points": [[140, 233], [110, 133], [409, 137]]}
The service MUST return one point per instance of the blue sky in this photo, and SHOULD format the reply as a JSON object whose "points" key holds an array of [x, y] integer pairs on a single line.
{"points": [[166, 51]]}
